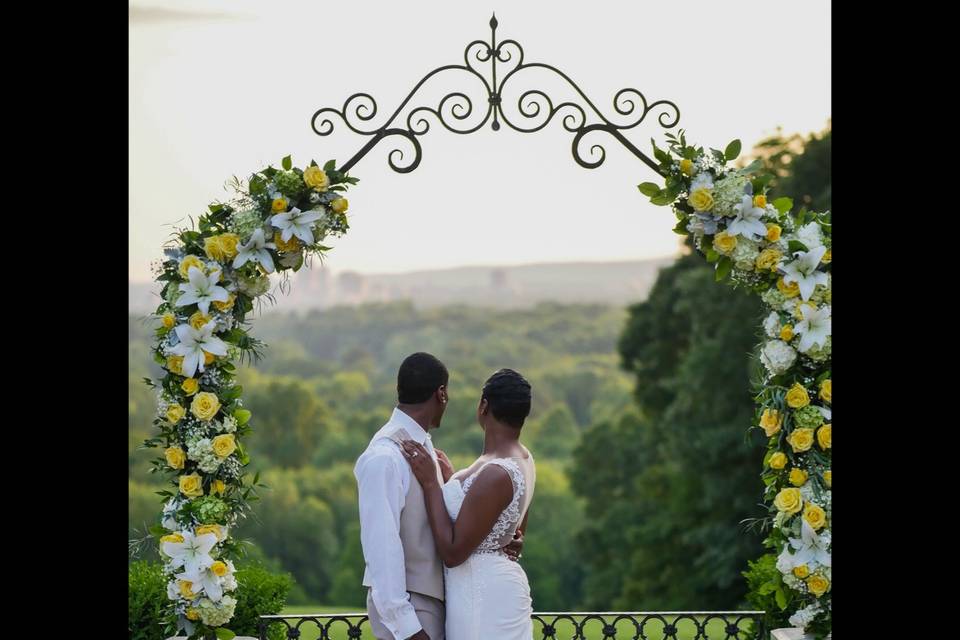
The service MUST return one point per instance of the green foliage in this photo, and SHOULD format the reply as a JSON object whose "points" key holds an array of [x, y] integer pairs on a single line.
{"points": [[666, 489], [260, 592], [146, 600]]}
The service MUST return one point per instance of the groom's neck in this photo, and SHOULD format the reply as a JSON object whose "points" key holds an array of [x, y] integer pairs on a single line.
{"points": [[419, 414]]}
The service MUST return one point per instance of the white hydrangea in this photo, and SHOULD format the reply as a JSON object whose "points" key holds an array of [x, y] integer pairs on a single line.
{"points": [[201, 451], [229, 425], [773, 298], [805, 616], [745, 254], [810, 235], [777, 356], [818, 353], [245, 222], [727, 193], [701, 181], [771, 325]]}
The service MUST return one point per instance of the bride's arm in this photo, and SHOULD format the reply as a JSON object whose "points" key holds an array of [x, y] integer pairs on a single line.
{"points": [[489, 495]]}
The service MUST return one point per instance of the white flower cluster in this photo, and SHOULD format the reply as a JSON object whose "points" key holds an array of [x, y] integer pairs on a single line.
{"points": [[216, 614], [728, 192], [777, 356], [805, 616], [201, 451]]}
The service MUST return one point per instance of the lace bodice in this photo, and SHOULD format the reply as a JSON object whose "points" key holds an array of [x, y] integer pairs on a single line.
{"points": [[509, 519]]}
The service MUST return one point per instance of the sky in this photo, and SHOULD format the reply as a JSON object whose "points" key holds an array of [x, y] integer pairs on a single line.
{"points": [[224, 87]]}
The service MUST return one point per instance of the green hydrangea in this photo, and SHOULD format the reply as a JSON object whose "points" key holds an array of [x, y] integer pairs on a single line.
{"points": [[216, 615], [728, 192], [818, 353], [245, 222], [745, 254], [773, 298], [808, 417], [289, 183], [210, 509]]}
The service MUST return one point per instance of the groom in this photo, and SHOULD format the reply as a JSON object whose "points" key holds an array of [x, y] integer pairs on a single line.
{"points": [[404, 574]]}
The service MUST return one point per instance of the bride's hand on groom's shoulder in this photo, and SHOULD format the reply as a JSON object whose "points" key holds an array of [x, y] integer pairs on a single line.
{"points": [[446, 467], [422, 465]]}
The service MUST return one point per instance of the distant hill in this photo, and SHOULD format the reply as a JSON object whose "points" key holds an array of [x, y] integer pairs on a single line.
{"points": [[617, 283]]}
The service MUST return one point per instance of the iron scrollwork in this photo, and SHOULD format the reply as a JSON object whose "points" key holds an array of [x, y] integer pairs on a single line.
{"points": [[456, 112]]}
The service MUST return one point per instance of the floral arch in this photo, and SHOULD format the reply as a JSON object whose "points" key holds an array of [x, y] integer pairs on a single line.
{"points": [[213, 273]]}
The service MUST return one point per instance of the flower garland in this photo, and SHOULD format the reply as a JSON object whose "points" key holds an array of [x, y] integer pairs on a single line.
{"points": [[211, 277], [786, 259]]}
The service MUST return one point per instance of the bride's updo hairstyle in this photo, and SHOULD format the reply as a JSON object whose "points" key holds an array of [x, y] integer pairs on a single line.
{"points": [[508, 395]]}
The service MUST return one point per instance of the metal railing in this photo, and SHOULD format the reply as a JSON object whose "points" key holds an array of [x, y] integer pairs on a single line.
{"points": [[549, 625]]}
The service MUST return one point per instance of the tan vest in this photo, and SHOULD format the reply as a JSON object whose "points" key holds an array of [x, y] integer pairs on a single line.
{"points": [[424, 569]]}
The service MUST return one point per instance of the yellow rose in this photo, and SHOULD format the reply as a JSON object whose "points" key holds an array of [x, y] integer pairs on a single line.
{"points": [[224, 445], [191, 485], [773, 232], [210, 528], [227, 305], [186, 589], [825, 436], [279, 204], [778, 460], [219, 568], [287, 246], [169, 320], [797, 396], [316, 178], [190, 261], [198, 319], [229, 242], [768, 259], [190, 386], [172, 537], [786, 333], [826, 391], [791, 290], [205, 405], [801, 440], [760, 201], [686, 166], [175, 413], [339, 205], [192, 614], [827, 257], [724, 243], [218, 487], [175, 457], [214, 249], [828, 478], [815, 516], [175, 364], [789, 500], [770, 421], [818, 585], [797, 477], [801, 571], [701, 199]]}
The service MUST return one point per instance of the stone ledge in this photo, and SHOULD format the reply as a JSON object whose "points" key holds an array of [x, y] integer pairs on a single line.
{"points": [[789, 634]]}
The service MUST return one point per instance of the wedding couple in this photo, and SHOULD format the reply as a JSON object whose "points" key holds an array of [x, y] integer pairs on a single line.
{"points": [[441, 547]]}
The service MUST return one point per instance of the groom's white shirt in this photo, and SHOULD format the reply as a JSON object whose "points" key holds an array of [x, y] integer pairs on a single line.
{"points": [[383, 478]]}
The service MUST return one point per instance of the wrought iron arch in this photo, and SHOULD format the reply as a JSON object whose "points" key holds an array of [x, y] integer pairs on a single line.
{"points": [[534, 106]]}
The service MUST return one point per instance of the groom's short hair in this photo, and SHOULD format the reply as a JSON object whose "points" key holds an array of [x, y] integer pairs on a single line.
{"points": [[420, 375]]}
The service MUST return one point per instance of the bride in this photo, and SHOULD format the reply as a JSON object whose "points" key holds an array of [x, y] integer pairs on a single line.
{"points": [[477, 511]]}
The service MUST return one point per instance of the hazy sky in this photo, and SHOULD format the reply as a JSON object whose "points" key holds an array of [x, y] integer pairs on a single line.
{"points": [[223, 87]]}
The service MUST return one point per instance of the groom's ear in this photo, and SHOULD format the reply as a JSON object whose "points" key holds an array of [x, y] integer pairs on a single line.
{"points": [[442, 394]]}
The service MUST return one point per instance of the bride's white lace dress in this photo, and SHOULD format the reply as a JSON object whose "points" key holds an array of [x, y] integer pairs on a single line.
{"points": [[488, 596]]}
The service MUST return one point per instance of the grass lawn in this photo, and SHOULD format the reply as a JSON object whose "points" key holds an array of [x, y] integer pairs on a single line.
{"points": [[653, 630]]}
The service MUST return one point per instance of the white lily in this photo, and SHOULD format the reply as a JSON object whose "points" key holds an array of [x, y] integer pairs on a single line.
{"points": [[255, 250], [803, 271], [814, 328], [202, 290], [748, 222], [193, 554], [811, 549], [296, 223], [204, 580], [193, 342]]}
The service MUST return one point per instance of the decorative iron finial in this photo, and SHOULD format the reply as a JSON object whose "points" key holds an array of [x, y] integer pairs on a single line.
{"points": [[493, 21]]}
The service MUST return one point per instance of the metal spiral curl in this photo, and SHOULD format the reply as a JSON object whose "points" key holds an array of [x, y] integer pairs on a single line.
{"points": [[454, 110]]}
